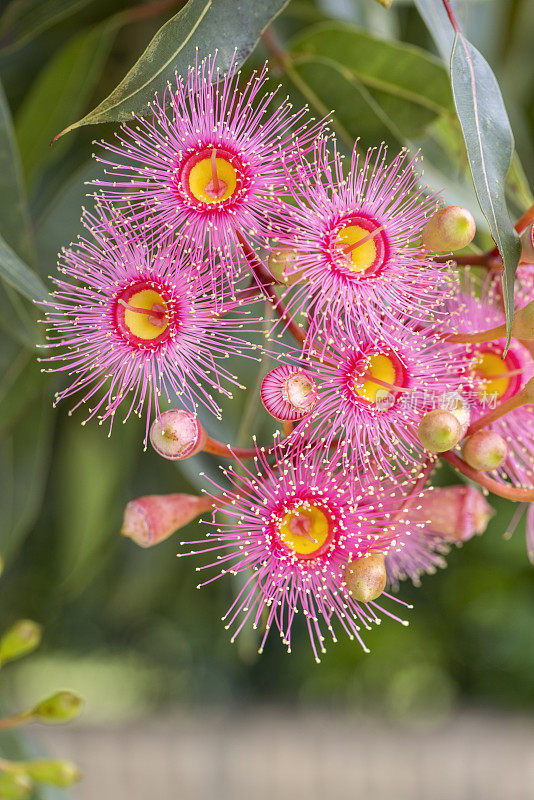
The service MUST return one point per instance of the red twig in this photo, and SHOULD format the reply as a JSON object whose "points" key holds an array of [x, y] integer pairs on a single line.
{"points": [[500, 489]]}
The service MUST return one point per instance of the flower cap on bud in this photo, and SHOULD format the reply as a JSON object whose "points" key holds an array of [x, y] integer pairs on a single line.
{"points": [[439, 430], [23, 637], [58, 773], [527, 246], [152, 519], [15, 785], [485, 450], [288, 393], [450, 228], [366, 577], [456, 512], [282, 265], [59, 707], [458, 406], [177, 434]]}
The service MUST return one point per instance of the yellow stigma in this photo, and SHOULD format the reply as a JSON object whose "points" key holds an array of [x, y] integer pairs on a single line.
{"points": [[201, 180], [139, 324], [361, 258], [486, 365], [381, 367], [305, 529]]}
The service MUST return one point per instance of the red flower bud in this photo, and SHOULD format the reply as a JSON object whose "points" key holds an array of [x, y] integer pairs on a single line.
{"points": [[152, 519], [177, 434], [485, 450], [450, 228], [455, 512]]}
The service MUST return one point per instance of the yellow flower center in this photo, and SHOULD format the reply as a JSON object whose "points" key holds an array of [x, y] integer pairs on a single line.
{"points": [[305, 530], [487, 365], [362, 257], [145, 314], [381, 367], [212, 180]]}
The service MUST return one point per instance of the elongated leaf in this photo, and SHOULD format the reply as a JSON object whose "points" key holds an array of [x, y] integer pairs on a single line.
{"points": [[23, 20], [401, 86], [490, 146], [61, 91], [206, 25], [17, 274]]}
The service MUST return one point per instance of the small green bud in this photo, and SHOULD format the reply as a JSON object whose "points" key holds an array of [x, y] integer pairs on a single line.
{"points": [[60, 707], [15, 785], [282, 264], [484, 450], [23, 637], [439, 430], [59, 773], [366, 577], [450, 228]]}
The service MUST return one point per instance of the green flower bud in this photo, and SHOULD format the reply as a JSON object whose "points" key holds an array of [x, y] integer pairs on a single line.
{"points": [[439, 430], [15, 785], [450, 228], [366, 577], [282, 265], [60, 707], [23, 637], [484, 450], [59, 773]]}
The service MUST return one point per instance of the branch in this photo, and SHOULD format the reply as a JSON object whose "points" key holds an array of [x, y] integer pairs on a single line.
{"points": [[500, 489]]}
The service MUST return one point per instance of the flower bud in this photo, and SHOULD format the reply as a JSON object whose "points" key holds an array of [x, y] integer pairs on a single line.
{"points": [[23, 637], [177, 434], [439, 430], [484, 450], [366, 577], [450, 228], [527, 246], [455, 512], [58, 773], [459, 408], [288, 393], [15, 785], [60, 707], [152, 519], [282, 266]]}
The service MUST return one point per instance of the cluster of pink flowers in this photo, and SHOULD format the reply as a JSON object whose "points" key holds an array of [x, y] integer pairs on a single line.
{"points": [[225, 198]]}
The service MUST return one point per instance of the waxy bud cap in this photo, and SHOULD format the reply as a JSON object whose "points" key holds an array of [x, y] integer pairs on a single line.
{"points": [[177, 434], [152, 519], [439, 431], [484, 450], [456, 512], [60, 707], [289, 393], [366, 577], [58, 773], [450, 228], [23, 637]]}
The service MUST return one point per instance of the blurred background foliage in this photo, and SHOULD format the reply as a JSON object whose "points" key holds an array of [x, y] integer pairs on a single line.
{"points": [[126, 627]]}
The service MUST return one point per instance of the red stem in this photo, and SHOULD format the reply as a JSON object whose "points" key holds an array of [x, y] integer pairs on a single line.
{"points": [[221, 449], [450, 13], [266, 285], [496, 413], [500, 489]]}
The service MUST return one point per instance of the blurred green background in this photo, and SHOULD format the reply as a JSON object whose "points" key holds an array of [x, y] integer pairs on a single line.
{"points": [[127, 627]]}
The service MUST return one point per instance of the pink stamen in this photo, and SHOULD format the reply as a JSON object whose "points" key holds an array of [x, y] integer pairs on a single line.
{"points": [[157, 316]]}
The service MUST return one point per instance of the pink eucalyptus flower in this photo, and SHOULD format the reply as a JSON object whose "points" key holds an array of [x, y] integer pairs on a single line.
{"points": [[371, 393], [291, 528], [210, 161], [382, 208], [131, 321], [492, 377]]}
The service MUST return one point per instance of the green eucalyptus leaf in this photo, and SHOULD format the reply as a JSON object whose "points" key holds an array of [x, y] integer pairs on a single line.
{"points": [[396, 86], [490, 145], [18, 275], [61, 91], [23, 20], [199, 29]]}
